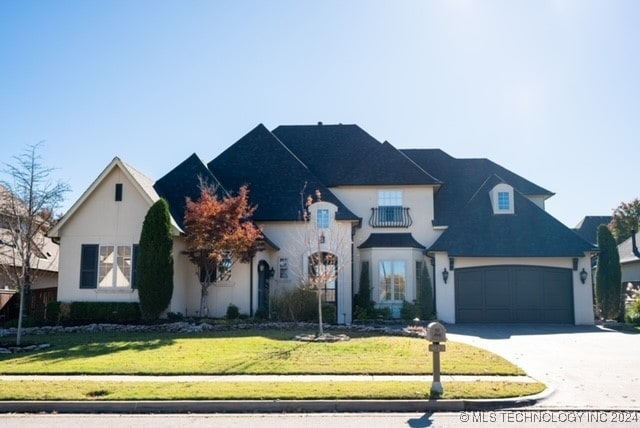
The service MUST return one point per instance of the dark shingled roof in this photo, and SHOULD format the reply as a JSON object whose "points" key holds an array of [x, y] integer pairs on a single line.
{"points": [[529, 232], [343, 155], [588, 227], [183, 182], [461, 178], [275, 177], [391, 240]]}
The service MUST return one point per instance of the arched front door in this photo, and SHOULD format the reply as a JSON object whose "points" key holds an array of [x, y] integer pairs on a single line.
{"points": [[264, 274]]}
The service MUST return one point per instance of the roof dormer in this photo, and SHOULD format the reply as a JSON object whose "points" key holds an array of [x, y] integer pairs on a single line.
{"points": [[502, 199]]}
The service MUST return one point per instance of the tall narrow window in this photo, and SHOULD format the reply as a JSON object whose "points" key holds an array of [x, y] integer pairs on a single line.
{"points": [[389, 206], [323, 219], [503, 201], [283, 268], [118, 192], [393, 281]]}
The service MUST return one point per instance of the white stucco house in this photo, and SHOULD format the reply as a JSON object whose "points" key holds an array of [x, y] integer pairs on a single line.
{"points": [[493, 252]]}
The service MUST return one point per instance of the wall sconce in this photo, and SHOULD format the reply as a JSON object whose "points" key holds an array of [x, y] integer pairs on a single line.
{"points": [[272, 272], [583, 276], [322, 239], [445, 275]]}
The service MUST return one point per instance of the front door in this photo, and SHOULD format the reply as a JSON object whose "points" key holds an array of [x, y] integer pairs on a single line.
{"points": [[264, 274]]}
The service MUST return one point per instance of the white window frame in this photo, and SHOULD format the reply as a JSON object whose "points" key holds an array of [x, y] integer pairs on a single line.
{"points": [[283, 268], [112, 268]]}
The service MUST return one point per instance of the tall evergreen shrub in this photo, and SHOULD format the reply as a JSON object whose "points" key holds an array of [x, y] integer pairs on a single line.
{"points": [[425, 296], [608, 276], [155, 263]]}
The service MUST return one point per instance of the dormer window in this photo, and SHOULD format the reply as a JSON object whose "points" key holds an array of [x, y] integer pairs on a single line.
{"points": [[323, 218], [504, 202], [502, 199]]}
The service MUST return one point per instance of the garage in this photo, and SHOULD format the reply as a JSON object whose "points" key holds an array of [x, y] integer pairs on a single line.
{"points": [[514, 294]]}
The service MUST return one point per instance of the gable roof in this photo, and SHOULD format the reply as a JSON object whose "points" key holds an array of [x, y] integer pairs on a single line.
{"points": [[183, 182], [142, 183], [344, 155], [275, 176], [588, 227], [529, 232], [625, 250], [461, 178]]}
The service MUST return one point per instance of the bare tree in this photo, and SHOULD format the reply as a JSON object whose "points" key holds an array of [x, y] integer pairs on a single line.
{"points": [[28, 199], [326, 246]]}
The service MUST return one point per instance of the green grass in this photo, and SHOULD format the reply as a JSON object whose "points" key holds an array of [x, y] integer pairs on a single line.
{"points": [[72, 390], [244, 352]]}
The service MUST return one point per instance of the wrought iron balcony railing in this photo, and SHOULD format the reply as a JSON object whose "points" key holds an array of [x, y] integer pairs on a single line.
{"points": [[390, 217]]}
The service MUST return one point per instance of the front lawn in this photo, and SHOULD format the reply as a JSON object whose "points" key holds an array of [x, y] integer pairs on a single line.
{"points": [[245, 352]]}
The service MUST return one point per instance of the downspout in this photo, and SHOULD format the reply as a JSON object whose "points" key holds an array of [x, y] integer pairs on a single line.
{"points": [[433, 265], [633, 244], [251, 287]]}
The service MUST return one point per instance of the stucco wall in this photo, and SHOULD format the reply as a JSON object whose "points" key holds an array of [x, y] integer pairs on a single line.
{"points": [[104, 221]]}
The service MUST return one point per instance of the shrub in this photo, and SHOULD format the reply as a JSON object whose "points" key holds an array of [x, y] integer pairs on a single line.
{"points": [[155, 270], [608, 276], [425, 294], [86, 312], [53, 312], [300, 304], [633, 313], [409, 311], [233, 313], [261, 314]]}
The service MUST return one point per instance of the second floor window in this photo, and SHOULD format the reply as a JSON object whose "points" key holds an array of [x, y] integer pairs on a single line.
{"points": [[323, 219], [390, 206], [503, 201]]}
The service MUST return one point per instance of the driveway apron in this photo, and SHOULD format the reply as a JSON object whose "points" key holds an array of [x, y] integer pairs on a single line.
{"points": [[589, 367]]}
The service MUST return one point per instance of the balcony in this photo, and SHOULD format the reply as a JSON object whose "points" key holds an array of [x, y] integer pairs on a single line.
{"points": [[390, 217]]}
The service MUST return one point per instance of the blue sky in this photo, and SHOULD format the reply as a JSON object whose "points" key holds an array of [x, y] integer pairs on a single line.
{"points": [[548, 89]]}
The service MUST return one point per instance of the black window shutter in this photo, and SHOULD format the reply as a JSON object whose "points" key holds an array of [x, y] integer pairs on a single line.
{"points": [[134, 261], [89, 266]]}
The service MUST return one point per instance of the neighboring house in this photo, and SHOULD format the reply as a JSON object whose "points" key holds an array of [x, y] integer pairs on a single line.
{"points": [[44, 265], [588, 227], [494, 253], [629, 262]]}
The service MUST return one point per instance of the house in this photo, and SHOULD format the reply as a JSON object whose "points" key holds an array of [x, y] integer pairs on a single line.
{"points": [[588, 227], [630, 262], [493, 252], [44, 264]]}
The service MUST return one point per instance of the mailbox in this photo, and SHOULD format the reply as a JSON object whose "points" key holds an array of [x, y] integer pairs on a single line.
{"points": [[436, 332]]}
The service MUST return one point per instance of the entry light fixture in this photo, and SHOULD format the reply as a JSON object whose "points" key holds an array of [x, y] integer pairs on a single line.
{"points": [[445, 275], [583, 276]]}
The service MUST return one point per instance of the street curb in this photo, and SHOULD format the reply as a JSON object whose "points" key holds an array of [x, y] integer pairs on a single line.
{"points": [[268, 406]]}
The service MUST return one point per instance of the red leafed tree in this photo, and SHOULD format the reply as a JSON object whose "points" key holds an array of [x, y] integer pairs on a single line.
{"points": [[219, 232]]}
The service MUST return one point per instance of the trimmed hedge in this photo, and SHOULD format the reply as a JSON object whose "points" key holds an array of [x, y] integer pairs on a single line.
{"points": [[116, 312]]}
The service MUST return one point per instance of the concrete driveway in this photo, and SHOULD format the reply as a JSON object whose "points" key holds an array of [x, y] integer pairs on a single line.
{"points": [[590, 367]]}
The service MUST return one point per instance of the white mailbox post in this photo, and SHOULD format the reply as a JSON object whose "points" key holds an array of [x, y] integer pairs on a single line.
{"points": [[436, 333]]}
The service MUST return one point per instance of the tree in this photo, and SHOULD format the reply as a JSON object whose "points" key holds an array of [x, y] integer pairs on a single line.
{"points": [[363, 304], [155, 264], [327, 243], [608, 275], [28, 199], [219, 232], [626, 218], [425, 294]]}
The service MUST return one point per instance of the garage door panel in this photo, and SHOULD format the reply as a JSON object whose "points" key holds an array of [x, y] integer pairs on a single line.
{"points": [[521, 294]]}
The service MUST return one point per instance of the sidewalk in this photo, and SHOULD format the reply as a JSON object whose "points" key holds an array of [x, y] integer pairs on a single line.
{"points": [[268, 406]]}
